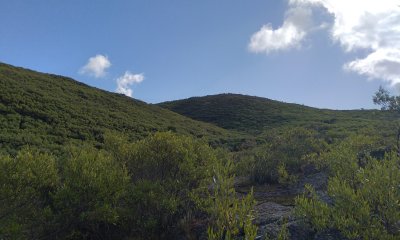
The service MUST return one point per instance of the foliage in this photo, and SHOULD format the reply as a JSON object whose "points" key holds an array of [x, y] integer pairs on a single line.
{"points": [[365, 200], [284, 177], [49, 112], [283, 233], [145, 189], [168, 173], [284, 156], [27, 182], [257, 116], [386, 101], [344, 158], [231, 217], [91, 198]]}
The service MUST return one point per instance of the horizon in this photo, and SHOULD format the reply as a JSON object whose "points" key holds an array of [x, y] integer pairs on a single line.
{"points": [[309, 52], [195, 96]]}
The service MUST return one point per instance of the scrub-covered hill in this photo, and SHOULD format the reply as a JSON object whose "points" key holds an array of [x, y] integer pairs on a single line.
{"points": [[49, 111], [257, 115]]}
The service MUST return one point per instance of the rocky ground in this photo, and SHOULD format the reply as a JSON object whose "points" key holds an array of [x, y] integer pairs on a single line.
{"points": [[275, 205]]}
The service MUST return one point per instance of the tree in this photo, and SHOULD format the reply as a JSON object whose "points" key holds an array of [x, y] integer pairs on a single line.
{"points": [[387, 102]]}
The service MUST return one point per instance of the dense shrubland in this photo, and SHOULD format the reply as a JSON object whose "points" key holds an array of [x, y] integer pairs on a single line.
{"points": [[49, 111], [154, 188], [283, 157], [80, 180], [363, 192]]}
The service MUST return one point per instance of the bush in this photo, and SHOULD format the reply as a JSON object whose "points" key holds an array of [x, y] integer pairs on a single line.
{"points": [[152, 188], [170, 176], [230, 217], [290, 149], [92, 195], [27, 183], [365, 201]]}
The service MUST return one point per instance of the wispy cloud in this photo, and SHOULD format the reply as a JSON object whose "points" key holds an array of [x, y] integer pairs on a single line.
{"points": [[290, 35], [96, 66], [125, 82]]}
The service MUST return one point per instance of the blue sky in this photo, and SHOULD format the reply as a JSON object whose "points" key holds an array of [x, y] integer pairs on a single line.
{"points": [[310, 52]]}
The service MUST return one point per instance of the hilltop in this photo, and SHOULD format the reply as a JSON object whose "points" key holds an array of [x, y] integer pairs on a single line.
{"points": [[256, 115], [50, 111], [277, 147]]}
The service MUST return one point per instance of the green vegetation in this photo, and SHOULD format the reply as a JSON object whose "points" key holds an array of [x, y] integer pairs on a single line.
{"points": [[27, 182], [152, 188], [282, 157], [386, 101], [49, 112], [230, 216], [257, 116], [77, 162], [364, 193]]}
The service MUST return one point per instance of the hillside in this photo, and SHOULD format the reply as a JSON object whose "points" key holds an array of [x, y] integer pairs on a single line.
{"points": [[257, 115], [50, 111]]}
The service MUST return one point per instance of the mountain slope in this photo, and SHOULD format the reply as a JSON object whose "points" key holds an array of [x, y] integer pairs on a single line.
{"points": [[50, 111], [256, 115]]}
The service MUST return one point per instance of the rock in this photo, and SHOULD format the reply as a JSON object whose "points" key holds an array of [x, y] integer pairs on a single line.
{"points": [[276, 209], [299, 231], [329, 235], [270, 218], [269, 212], [319, 182]]}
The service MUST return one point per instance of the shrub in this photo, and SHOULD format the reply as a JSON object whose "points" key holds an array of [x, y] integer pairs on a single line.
{"points": [[90, 200], [152, 189], [365, 205], [290, 149], [27, 182], [230, 217]]}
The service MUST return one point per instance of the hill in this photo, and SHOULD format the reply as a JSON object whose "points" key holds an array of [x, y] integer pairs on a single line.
{"points": [[50, 111], [256, 115]]}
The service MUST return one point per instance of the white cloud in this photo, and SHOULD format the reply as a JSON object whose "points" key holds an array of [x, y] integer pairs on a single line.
{"points": [[96, 66], [369, 25], [290, 35], [381, 64], [124, 82]]}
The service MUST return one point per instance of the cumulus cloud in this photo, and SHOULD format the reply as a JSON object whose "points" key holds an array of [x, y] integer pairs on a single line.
{"points": [[369, 25], [96, 66], [125, 82], [290, 35], [380, 64]]}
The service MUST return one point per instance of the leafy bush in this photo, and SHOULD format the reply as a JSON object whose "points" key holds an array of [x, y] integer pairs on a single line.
{"points": [[365, 199], [92, 196], [283, 156], [230, 217], [167, 172], [152, 188], [284, 177], [171, 177], [346, 156], [27, 183]]}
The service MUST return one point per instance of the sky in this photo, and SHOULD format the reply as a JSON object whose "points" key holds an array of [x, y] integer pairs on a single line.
{"points": [[320, 53]]}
